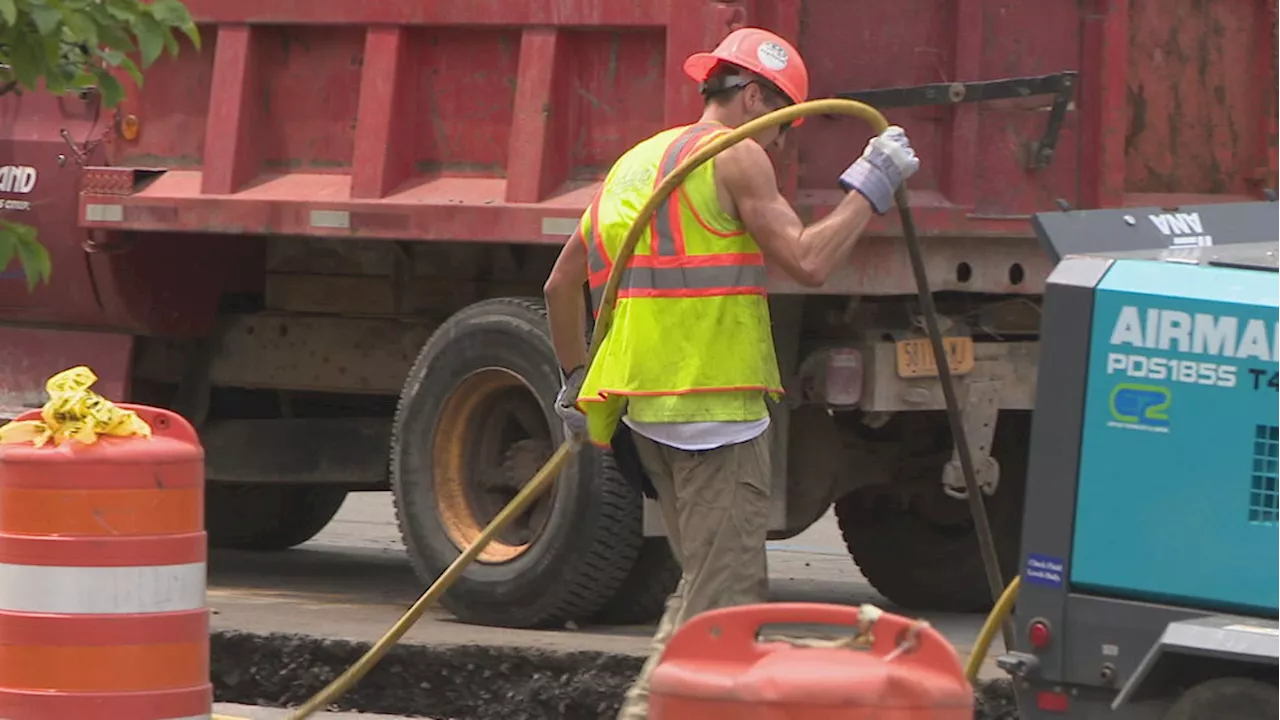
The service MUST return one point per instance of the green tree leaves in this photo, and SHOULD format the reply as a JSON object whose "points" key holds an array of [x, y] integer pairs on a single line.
{"points": [[17, 240], [64, 45]]}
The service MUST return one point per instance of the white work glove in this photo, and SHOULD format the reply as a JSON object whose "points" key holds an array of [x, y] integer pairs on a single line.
{"points": [[575, 423], [885, 163]]}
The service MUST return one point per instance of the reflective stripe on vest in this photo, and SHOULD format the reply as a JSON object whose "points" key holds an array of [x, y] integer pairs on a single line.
{"points": [[665, 232], [668, 271]]}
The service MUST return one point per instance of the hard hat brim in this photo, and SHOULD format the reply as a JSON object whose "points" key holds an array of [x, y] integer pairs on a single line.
{"points": [[699, 65]]}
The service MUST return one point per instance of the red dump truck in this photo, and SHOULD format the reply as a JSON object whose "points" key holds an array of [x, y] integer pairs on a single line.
{"points": [[323, 239]]}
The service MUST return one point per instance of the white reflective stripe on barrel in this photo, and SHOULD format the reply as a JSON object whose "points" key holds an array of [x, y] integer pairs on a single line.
{"points": [[102, 590]]}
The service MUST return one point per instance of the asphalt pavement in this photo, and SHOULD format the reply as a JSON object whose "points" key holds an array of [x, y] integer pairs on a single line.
{"points": [[253, 712], [353, 581]]}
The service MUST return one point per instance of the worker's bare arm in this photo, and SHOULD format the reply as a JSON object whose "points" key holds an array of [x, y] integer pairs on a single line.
{"points": [[566, 311], [807, 254]]}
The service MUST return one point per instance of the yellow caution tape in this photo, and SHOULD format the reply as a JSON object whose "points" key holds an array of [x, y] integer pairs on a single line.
{"points": [[74, 412]]}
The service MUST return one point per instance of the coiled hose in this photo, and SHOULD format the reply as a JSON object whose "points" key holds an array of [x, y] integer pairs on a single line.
{"points": [[549, 471]]}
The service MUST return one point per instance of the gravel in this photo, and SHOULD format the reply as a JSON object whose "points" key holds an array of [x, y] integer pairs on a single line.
{"points": [[451, 682]]}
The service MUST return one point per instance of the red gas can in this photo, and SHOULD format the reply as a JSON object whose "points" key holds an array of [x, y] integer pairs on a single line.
{"points": [[897, 669]]}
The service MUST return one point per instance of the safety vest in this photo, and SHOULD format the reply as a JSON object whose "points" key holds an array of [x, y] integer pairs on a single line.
{"points": [[691, 339]]}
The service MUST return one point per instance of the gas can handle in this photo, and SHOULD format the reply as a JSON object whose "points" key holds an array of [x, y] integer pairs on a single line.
{"points": [[730, 634], [164, 422]]}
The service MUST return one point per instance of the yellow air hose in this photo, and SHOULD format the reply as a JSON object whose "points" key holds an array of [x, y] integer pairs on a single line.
{"points": [[543, 478], [995, 619]]}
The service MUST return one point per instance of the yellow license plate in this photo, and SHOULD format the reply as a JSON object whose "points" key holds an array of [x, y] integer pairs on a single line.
{"points": [[915, 357]]}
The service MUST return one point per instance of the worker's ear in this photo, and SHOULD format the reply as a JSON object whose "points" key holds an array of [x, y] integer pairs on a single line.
{"points": [[754, 98]]}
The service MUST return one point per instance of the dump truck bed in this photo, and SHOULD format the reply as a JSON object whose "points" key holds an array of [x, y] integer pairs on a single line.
{"points": [[494, 120]]}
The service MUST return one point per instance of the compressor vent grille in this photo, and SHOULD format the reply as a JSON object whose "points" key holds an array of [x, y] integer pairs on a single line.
{"points": [[1264, 493]]}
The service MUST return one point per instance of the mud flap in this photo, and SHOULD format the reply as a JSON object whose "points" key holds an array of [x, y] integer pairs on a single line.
{"points": [[29, 357], [627, 459]]}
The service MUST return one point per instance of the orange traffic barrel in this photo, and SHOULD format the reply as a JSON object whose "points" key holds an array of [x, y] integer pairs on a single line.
{"points": [[102, 577], [892, 668]]}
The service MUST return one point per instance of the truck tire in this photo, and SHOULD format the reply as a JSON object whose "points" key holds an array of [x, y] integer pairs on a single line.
{"points": [[642, 597], [921, 563], [268, 517], [1228, 697], [474, 423]]}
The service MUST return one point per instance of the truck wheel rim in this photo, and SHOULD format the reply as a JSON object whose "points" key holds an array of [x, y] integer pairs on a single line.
{"points": [[492, 436]]}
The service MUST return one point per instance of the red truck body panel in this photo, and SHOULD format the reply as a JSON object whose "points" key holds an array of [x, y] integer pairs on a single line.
{"points": [[493, 121]]}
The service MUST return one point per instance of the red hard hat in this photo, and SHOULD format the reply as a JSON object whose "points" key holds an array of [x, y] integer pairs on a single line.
{"points": [[761, 52]]}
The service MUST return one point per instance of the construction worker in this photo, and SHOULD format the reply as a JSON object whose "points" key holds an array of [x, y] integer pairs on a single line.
{"points": [[689, 359]]}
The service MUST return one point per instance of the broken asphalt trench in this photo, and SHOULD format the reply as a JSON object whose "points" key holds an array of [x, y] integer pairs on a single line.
{"points": [[286, 624]]}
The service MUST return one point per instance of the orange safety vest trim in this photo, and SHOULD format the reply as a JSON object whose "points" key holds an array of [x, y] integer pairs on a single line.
{"points": [[669, 271]]}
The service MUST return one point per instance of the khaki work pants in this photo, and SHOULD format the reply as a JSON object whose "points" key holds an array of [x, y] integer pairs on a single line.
{"points": [[715, 506]]}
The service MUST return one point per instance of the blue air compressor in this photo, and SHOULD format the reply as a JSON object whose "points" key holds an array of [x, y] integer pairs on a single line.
{"points": [[1151, 534]]}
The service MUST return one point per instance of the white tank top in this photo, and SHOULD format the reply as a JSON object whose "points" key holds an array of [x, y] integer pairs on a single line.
{"points": [[700, 435]]}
